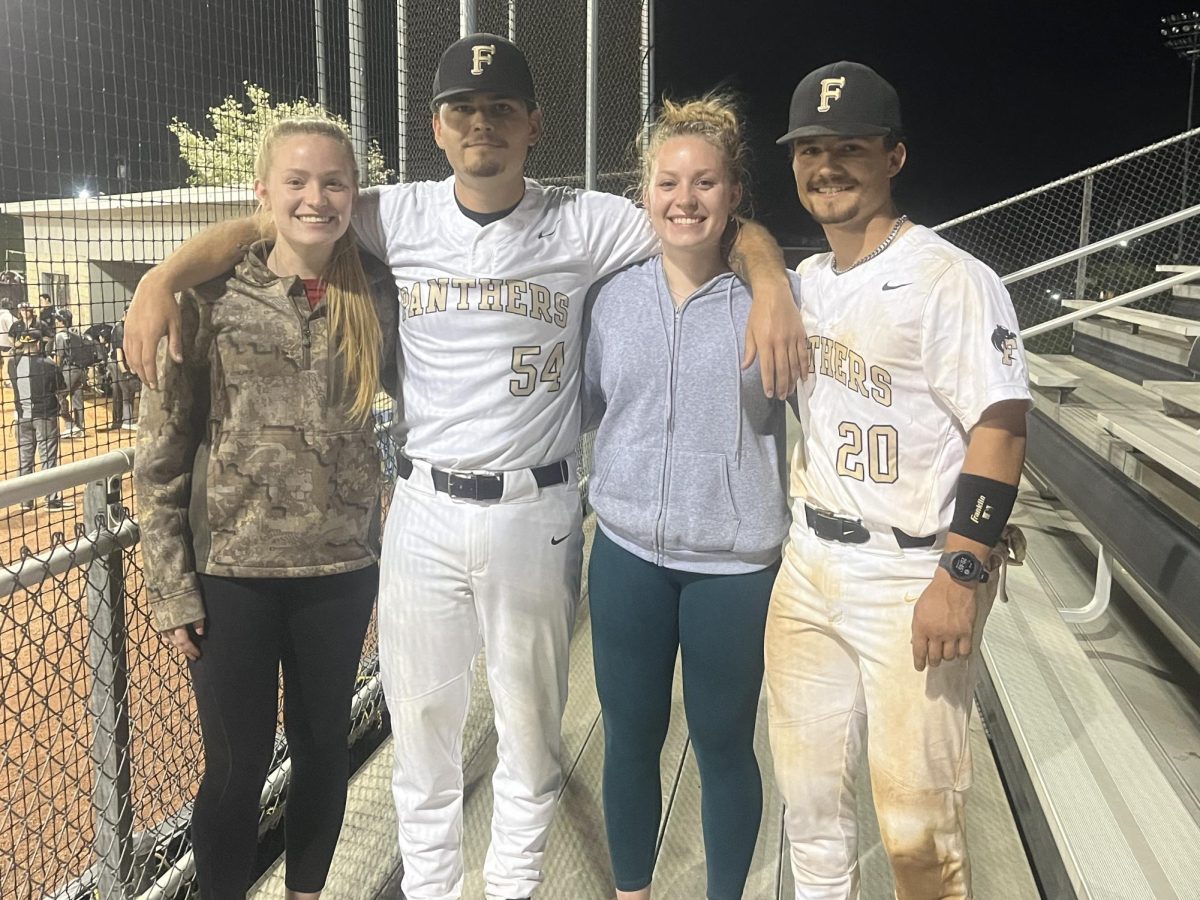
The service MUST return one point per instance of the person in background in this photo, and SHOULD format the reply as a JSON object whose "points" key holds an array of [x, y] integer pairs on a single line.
{"points": [[125, 385], [24, 319], [68, 356], [7, 320], [258, 486], [36, 385], [46, 312], [690, 503]]}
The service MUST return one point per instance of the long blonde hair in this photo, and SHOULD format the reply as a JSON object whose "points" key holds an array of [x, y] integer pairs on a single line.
{"points": [[353, 325], [713, 118]]}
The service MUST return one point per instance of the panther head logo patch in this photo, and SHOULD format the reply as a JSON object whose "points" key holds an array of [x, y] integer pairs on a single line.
{"points": [[1005, 342]]}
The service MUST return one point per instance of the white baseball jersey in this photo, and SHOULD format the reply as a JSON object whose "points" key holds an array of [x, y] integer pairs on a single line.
{"points": [[907, 350], [491, 316]]}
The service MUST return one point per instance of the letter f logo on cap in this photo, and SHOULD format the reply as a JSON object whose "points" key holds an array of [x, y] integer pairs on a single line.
{"points": [[831, 89], [481, 55]]}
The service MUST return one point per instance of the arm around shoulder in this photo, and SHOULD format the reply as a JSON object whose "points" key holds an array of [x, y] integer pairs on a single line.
{"points": [[154, 314], [775, 332]]}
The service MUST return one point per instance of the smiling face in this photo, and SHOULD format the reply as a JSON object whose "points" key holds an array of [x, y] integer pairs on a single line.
{"points": [[486, 135], [691, 195], [309, 190], [845, 181]]}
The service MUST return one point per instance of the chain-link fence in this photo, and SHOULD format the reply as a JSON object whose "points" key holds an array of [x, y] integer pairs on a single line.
{"points": [[1100, 202], [101, 747]]}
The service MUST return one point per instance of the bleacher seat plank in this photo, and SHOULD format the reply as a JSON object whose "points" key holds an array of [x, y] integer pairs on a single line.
{"points": [[1179, 398], [1167, 442], [1050, 378], [1140, 318], [1168, 349]]}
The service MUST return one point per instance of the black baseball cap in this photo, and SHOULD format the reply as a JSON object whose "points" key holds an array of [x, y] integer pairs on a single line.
{"points": [[29, 335], [843, 99], [483, 62]]}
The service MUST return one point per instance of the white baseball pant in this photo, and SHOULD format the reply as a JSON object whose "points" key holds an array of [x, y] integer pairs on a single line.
{"points": [[457, 575], [839, 663]]}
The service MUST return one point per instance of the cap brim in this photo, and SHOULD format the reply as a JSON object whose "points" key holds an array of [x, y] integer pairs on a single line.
{"points": [[851, 129], [441, 98]]}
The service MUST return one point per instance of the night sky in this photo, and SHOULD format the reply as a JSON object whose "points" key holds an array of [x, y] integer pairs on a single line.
{"points": [[998, 98]]}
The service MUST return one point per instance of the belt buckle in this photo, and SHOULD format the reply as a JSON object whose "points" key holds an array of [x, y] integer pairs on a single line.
{"points": [[462, 487]]}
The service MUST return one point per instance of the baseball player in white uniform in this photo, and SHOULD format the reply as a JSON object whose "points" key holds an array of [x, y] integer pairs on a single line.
{"points": [[914, 435], [483, 542]]}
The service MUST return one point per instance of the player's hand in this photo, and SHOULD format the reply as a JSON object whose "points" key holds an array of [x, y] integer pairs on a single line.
{"points": [[943, 622], [152, 314], [775, 334], [181, 639]]}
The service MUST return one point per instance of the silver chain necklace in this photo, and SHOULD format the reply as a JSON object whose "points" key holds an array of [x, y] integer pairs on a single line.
{"points": [[887, 242]]}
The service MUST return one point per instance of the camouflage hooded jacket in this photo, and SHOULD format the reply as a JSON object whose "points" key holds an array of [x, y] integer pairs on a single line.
{"points": [[247, 463]]}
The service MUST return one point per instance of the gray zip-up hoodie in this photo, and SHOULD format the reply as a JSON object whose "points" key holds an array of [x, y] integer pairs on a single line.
{"points": [[689, 470]]}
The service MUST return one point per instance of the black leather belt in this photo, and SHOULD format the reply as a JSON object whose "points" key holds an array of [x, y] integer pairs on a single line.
{"points": [[847, 531], [467, 486]]}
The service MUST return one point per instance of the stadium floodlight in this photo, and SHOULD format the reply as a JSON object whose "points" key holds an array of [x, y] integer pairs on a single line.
{"points": [[1181, 33]]}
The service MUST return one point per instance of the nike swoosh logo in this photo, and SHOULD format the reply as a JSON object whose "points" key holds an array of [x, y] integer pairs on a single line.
{"points": [[892, 287], [544, 234], [556, 541]]}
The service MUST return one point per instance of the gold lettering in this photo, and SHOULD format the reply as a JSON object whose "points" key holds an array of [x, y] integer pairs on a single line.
{"points": [[831, 89], [814, 344], [463, 285], [840, 352], [513, 302], [539, 302], [489, 294], [881, 380], [413, 303], [560, 310], [481, 55], [858, 374], [826, 356], [436, 299]]}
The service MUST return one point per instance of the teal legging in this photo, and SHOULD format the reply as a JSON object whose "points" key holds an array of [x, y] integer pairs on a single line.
{"points": [[642, 614]]}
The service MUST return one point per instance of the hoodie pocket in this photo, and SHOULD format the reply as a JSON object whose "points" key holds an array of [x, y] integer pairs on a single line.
{"points": [[700, 513], [625, 496]]}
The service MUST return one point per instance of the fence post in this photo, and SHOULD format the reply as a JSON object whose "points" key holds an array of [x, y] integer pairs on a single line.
{"points": [[1085, 225], [109, 701], [591, 99]]}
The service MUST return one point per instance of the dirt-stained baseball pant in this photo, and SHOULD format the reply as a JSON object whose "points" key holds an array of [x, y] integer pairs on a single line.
{"points": [[839, 663], [458, 575]]}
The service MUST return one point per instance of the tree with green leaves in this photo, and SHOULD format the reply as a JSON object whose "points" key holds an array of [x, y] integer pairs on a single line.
{"points": [[227, 159]]}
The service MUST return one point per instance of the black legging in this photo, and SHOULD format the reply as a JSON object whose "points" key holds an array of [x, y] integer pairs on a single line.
{"points": [[642, 616], [314, 627]]}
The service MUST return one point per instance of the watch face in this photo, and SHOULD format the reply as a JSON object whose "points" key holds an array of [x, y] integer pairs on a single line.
{"points": [[964, 566]]}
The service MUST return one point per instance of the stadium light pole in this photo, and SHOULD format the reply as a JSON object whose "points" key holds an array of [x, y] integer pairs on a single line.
{"points": [[1181, 33]]}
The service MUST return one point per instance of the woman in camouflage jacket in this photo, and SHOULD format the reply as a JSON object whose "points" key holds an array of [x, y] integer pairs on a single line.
{"points": [[258, 486]]}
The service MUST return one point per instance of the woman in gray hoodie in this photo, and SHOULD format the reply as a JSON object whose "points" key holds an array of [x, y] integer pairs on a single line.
{"points": [[689, 493]]}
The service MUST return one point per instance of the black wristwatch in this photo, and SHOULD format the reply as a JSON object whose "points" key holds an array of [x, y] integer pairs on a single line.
{"points": [[963, 566]]}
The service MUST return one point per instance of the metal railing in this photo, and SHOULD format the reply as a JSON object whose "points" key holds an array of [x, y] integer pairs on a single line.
{"points": [[1097, 214], [1080, 256]]}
